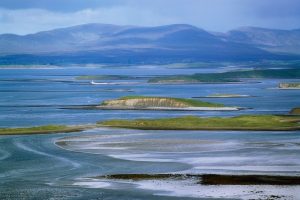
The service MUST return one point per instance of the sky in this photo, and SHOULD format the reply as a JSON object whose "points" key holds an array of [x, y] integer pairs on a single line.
{"points": [[30, 16]]}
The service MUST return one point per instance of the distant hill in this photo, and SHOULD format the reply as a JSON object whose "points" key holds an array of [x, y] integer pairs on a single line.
{"points": [[279, 41], [104, 43]]}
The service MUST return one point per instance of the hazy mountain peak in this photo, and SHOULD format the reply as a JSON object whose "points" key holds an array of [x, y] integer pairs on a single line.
{"points": [[180, 39]]}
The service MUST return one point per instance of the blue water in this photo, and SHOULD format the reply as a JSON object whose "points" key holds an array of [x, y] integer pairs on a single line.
{"points": [[34, 167], [36, 96]]}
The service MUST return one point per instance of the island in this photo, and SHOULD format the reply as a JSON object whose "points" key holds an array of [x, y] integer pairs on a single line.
{"points": [[48, 129], [289, 86], [162, 103], [295, 111], [229, 77], [238, 123]]}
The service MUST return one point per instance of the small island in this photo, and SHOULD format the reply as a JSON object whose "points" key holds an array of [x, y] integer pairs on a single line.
{"points": [[162, 103], [238, 123], [103, 77], [48, 129], [289, 86], [295, 111]]}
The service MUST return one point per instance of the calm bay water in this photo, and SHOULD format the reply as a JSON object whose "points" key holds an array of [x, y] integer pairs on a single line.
{"points": [[34, 167]]}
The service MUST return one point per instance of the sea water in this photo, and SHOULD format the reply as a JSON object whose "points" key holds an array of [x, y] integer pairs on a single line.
{"points": [[39, 166]]}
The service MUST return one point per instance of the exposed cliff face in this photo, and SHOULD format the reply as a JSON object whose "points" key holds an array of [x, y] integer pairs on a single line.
{"points": [[289, 85], [146, 102]]}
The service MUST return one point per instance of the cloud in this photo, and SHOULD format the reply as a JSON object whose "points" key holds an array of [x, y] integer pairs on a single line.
{"points": [[58, 5], [215, 15]]}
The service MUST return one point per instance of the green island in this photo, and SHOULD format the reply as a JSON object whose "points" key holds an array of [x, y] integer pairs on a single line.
{"points": [[244, 122], [211, 179], [295, 111], [48, 129], [230, 77], [161, 103], [289, 86]]}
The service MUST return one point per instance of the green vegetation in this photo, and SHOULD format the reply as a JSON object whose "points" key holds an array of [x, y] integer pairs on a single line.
{"points": [[148, 101], [41, 130], [212, 179], [295, 111], [245, 122], [233, 76], [289, 85], [103, 77]]}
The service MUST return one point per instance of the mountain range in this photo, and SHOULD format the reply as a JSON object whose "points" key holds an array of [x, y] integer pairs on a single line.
{"points": [[105, 43]]}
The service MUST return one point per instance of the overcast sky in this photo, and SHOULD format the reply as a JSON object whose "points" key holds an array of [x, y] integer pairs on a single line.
{"points": [[29, 16]]}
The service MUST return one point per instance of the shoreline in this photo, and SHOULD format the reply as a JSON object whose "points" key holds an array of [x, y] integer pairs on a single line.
{"points": [[170, 108], [204, 129]]}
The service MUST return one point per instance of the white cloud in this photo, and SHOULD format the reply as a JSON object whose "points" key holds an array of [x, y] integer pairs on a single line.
{"points": [[214, 15], [33, 20]]}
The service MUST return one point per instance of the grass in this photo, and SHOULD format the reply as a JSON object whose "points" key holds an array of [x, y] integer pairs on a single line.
{"points": [[169, 101], [40, 130], [244, 122], [233, 76]]}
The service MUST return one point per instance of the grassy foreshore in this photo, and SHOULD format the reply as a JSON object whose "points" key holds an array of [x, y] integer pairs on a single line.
{"points": [[246, 122], [212, 179], [42, 130]]}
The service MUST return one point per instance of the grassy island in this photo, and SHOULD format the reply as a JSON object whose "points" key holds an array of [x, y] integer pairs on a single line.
{"points": [[160, 103], [227, 77], [41, 130], [245, 122]]}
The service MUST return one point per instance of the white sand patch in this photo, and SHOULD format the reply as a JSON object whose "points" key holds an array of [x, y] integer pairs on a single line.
{"points": [[189, 188], [92, 183], [141, 157]]}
